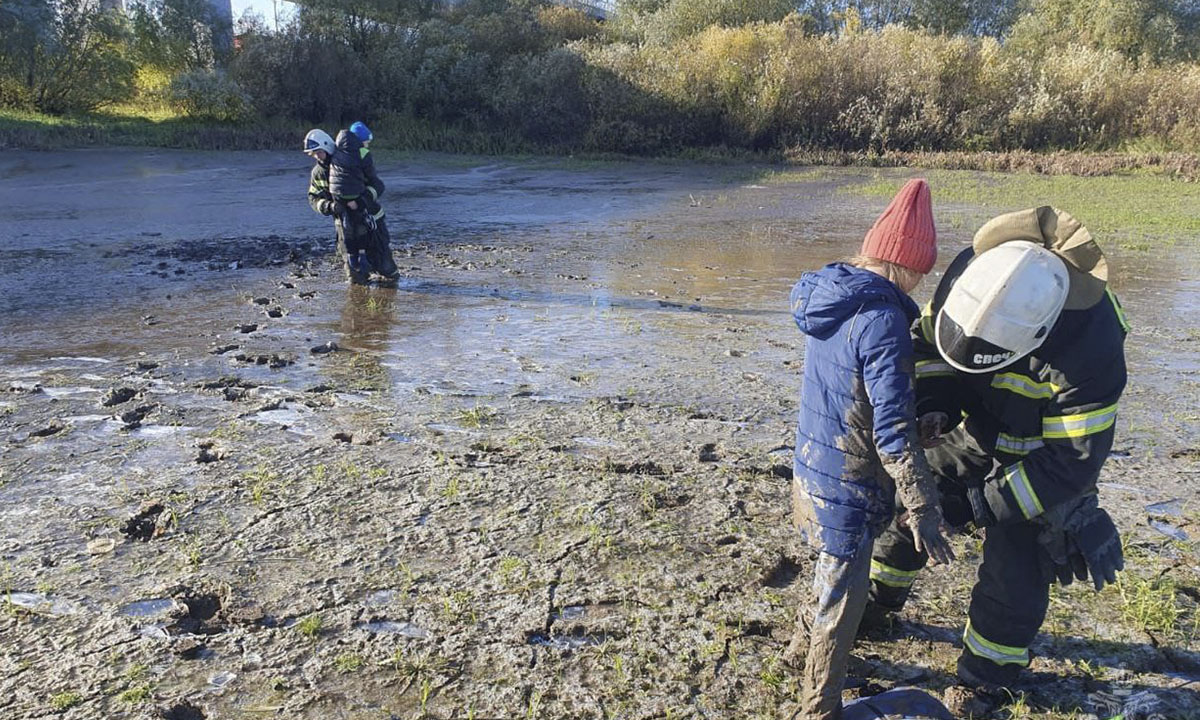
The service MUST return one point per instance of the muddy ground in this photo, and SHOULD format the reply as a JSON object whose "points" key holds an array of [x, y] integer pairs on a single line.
{"points": [[544, 475]]}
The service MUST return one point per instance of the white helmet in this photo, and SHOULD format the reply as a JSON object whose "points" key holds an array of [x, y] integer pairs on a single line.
{"points": [[318, 139], [1002, 307]]}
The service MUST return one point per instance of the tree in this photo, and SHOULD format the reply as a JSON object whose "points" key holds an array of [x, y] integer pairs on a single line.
{"points": [[65, 56], [1143, 30], [180, 35]]}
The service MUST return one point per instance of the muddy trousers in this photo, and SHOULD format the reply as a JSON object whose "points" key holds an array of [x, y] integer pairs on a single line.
{"points": [[1012, 593], [830, 621]]}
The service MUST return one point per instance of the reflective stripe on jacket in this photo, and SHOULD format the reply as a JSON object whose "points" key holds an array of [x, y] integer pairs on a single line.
{"points": [[1049, 418]]}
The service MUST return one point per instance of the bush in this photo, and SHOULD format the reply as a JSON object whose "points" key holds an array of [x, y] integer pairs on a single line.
{"points": [[208, 95]]}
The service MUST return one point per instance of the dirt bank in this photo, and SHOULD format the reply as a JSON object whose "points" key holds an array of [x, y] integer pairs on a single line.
{"points": [[546, 475]]}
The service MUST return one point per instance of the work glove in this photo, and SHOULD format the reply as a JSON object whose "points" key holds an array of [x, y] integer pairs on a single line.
{"points": [[338, 208], [926, 525], [1093, 533]]}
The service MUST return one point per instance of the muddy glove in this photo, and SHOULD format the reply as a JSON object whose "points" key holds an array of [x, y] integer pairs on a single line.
{"points": [[918, 493], [1093, 533], [926, 528], [930, 427], [337, 208]]}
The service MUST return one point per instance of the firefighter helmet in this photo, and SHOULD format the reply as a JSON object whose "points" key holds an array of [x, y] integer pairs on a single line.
{"points": [[1002, 307], [318, 139]]}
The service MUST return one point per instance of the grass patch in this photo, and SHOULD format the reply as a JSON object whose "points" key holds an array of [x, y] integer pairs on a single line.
{"points": [[348, 662], [1138, 209], [476, 417], [1150, 604], [311, 626], [65, 700]]}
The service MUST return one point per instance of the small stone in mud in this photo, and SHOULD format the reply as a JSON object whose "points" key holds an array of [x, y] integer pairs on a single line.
{"points": [[246, 328], [287, 285], [189, 648], [782, 471], [275, 312], [117, 396], [708, 453], [343, 437], [101, 546], [231, 394], [222, 349], [150, 319], [152, 520], [262, 301], [307, 295], [328, 347], [731, 352]]}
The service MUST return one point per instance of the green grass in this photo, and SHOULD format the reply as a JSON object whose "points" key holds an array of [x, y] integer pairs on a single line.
{"points": [[310, 627], [65, 700], [1137, 209]]}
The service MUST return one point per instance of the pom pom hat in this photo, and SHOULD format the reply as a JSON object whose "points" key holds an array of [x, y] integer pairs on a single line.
{"points": [[904, 234]]}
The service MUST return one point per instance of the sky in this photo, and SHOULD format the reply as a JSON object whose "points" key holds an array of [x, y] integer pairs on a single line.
{"points": [[264, 8]]}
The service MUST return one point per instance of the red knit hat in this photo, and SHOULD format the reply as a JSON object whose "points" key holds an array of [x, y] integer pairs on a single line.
{"points": [[904, 233]]}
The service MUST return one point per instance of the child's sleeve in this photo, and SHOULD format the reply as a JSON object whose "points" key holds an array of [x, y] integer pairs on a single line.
{"points": [[374, 184], [886, 353]]}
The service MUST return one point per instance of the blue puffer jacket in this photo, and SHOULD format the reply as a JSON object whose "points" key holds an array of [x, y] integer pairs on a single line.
{"points": [[856, 404]]}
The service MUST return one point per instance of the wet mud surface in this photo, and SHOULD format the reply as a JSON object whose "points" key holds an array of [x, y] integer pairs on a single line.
{"points": [[545, 474]]}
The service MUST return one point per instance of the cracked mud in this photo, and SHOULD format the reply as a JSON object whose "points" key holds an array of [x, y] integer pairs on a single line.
{"points": [[547, 474]]}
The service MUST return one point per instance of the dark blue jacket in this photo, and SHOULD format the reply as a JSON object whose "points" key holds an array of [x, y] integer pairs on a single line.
{"points": [[856, 403]]}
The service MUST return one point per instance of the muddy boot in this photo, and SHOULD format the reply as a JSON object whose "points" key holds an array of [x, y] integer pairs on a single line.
{"points": [[357, 269], [797, 649], [380, 252], [964, 702], [877, 621]]}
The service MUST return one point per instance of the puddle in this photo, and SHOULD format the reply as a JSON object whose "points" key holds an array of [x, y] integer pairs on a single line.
{"points": [[570, 612], [219, 680], [382, 597], [567, 643], [1172, 507], [389, 627], [1169, 530], [42, 604], [60, 392], [147, 608]]}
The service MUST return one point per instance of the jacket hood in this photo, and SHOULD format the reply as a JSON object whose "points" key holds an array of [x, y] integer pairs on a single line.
{"points": [[824, 299], [348, 142]]}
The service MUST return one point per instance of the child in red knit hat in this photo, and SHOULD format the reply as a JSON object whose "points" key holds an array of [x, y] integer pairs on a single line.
{"points": [[858, 444]]}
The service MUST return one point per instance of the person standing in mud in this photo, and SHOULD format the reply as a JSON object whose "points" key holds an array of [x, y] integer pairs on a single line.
{"points": [[354, 182], [857, 439], [320, 147], [1023, 346]]}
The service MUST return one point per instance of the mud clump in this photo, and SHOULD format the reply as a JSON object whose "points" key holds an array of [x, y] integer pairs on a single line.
{"points": [[646, 467], [328, 347], [246, 328], [208, 453], [708, 453], [222, 349], [118, 396], [153, 520], [273, 361], [133, 418], [782, 573]]}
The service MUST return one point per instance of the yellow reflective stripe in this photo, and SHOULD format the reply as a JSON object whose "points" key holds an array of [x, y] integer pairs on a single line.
{"points": [[321, 183], [1022, 490], [379, 214], [997, 653], [362, 152], [1112, 297], [927, 322], [1018, 445], [1081, 425], [934, 368], [1021, 385], [314, 190], [374, 193], [892, 577]]}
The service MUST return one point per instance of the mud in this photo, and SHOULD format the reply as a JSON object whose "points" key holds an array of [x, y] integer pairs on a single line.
{"points": [[543, 475]]}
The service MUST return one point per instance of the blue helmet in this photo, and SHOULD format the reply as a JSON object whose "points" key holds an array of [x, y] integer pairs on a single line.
{"points": [[362, 131]]}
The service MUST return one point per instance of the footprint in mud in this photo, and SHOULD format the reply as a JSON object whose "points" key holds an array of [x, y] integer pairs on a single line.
{"points": [[54, 427], [782, 574], [182, 711], [153, 520]]}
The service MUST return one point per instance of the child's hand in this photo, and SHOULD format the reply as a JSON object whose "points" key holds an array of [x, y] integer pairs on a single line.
{"points": [[926, 528], [929, 429]]}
